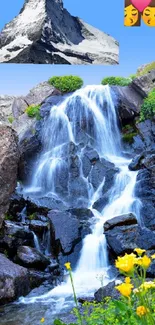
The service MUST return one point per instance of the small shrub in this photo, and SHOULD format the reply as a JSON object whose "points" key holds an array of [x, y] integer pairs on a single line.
{"points": [[10, 119], [66, 84], [33, 111], [116, 81], [148, 107]]}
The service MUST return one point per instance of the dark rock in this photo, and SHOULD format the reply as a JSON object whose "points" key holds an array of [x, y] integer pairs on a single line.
{"points": [[49, 102], [129, 102], [38, 226], [123, 239], [145, 189], [30, 145], [38, 277], [107, 291], [13, 236], [102, 170], [67, 239], [136, 162], [14, 280], [123, 220], [8, 167], [101, 203], [146, 138], [31, 258], [145, 83]]}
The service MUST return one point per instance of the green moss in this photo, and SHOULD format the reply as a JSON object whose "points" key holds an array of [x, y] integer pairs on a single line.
{"points": [[128, 137], [10, 119], [66, 84], [8, 217], [34, 111], [116, 81], [32, 216], [148, 107]]}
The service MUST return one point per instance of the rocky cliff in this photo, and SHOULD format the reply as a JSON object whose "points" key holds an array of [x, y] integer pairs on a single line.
{"points": [[45, 32]]}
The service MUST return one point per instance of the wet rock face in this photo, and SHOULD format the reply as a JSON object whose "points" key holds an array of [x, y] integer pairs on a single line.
{"points": [[52, 35], [8, 167], [31, 258], [14, 235], [14, 280], [145, 189], [128, 101], [123, 234], [67, 239], [146, 138]]}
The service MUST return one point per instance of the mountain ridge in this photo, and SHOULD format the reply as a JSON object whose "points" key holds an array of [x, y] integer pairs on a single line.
{"points": [[45, 32]]}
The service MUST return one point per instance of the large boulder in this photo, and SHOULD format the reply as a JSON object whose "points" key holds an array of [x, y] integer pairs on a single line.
{"points": [[128, 101], [14, 280], [145, 83], [8, 167], [31, 258], [39, 93], [124, 237], [123, 220], [68, 228], [108, 291]]}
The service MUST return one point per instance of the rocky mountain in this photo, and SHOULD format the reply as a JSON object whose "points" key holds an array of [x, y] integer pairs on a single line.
{"points": [[45, 32]]}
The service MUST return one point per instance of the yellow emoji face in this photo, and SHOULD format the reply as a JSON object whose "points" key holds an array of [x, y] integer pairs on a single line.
{"points": [[149, 16], [131, 15]]}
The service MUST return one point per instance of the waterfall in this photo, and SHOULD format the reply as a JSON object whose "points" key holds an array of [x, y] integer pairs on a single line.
{"points": [[92, 110], [36, 242]]}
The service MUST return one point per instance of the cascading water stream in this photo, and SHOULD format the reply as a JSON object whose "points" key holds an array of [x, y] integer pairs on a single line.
{"points": [[92, 110]]}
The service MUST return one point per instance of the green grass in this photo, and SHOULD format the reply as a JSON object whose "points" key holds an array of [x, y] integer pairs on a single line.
{"points": [[10, 119], [33, 111], [66, 84], [116, 81]]}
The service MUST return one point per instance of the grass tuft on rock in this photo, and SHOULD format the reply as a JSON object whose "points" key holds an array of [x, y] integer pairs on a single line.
{"points": [[66, 84], [33, 111]]}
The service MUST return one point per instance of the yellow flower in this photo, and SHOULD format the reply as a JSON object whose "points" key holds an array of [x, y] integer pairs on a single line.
{"points": [[139, 251], [153, 256], [144, 261], [126, 263], [42, 320], [125, 288], [141, 311], [68, 266], [127, 280]]}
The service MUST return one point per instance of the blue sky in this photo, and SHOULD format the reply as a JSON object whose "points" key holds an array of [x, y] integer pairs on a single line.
{"points": [[137, 46]]}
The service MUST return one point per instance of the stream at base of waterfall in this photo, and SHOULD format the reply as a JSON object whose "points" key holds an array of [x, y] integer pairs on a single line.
{"points": [[95, 106]]}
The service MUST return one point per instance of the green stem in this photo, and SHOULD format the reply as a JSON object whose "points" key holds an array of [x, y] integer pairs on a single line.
{"points": [[75, 298]]}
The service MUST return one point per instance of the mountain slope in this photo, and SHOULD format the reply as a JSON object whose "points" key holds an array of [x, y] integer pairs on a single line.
{"points": [[45, 32]]}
